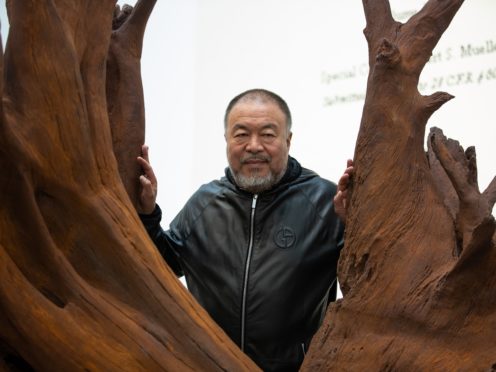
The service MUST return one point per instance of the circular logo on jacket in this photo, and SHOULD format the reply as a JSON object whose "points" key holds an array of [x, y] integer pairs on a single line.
{"points": [[285, 237]]}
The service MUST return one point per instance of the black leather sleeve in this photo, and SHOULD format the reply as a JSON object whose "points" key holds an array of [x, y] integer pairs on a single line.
{"points": [[164, 243]]}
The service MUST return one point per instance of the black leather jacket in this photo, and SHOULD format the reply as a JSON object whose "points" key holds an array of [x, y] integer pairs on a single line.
{"points": [[261, 265]]}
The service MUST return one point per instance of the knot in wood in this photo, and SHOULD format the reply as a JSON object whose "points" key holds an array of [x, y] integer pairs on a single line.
{"points": [[121, 15], [388, 53]]}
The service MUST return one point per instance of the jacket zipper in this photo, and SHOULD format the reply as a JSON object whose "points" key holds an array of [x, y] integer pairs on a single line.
{"points": [[247, 270]]}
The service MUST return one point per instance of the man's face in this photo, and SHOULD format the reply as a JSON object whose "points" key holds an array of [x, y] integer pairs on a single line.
{"points": [[257, 144]]}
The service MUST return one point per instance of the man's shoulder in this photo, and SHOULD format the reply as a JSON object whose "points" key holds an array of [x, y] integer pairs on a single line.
{"points": [[213, 187], [208, 191], [318, 191], [198, 202], [310, 179]]}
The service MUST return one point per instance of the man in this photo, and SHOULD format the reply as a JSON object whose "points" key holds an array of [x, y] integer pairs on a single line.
{"points": [[259, 247]]}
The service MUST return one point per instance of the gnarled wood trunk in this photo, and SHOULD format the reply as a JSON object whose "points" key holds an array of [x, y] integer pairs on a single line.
{"points": [[417, 271], [83, 288], [81, 285]]}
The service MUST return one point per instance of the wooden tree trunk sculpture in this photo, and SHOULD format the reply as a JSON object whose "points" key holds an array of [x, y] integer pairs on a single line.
{"points": [[125, 100], [81, 285], [418, 269], [83, 288]]}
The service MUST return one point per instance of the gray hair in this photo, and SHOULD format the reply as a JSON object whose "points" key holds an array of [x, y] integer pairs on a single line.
{"points": [[264, 96]]}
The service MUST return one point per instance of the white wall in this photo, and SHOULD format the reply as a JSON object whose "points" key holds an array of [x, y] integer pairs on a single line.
{"points": [[198, 54]]}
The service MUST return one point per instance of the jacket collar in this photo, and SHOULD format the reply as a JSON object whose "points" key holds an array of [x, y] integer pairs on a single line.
{"points": [[293, 171]]}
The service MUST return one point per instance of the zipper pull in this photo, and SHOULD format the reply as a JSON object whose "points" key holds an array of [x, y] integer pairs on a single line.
{"points": [[254, 201]]}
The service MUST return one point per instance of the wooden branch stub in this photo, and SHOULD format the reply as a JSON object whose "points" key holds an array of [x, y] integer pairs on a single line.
{"points": [[125, 97], [416, 38], [490, 192], [377, 14], [442, 183], [388, 54], [379, 18], [433, 102], [474, 222], [461, 169], [398, 53], [133, 24], [425, 28], [121, 15]]}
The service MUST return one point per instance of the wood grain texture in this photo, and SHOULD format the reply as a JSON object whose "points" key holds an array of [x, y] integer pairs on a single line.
{"points": [[81, 285], [125, 98], [417, 270], [83, 288]]}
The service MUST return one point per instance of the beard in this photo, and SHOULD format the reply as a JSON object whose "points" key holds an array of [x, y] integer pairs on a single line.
{"points": [[255, 183]]}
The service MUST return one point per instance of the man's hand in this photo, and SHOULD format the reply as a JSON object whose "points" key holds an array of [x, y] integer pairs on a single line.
{"points": [[148, 194], [340, 199]]}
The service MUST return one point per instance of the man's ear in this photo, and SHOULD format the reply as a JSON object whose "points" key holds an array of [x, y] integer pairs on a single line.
{"points": [[288, 140]]}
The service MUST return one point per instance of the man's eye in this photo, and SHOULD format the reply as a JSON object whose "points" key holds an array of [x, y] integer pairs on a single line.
{"points": [[240, 135]]}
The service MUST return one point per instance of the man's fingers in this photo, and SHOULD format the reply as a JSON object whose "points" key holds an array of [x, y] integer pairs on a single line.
{"points": [[145, 182], [340, 199], [148, 191], [148, 183], [350, 170], [340, 205], [144, 153], [345, 178], [340, 196], [148, 195], [343, 182], [144, 163], [147, 169]]}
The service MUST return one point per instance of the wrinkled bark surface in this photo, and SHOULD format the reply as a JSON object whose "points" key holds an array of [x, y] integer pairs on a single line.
{"points": [[417, 271], [125, 99], [83, 288], [81, 285]]}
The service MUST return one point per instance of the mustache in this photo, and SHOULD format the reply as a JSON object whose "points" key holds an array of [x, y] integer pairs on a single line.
{"points": [[247, 158]]}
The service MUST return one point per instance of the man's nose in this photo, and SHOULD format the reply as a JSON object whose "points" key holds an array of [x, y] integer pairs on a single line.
{"points": [[254, 144]]}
